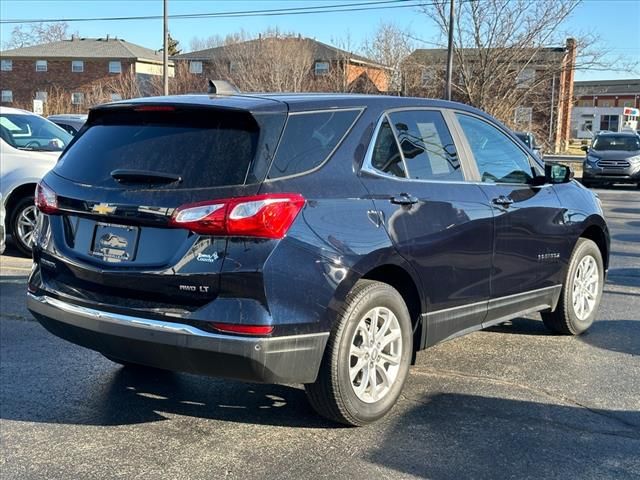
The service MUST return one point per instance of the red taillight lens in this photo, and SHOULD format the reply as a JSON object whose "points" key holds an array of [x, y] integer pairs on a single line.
{"points": [[243, 329], [46, 199], [264, 216], [155, 108]]}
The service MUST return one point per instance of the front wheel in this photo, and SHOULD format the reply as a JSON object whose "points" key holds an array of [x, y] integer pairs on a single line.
{"points": [[367, 358], [581, 293], [24, 219]]}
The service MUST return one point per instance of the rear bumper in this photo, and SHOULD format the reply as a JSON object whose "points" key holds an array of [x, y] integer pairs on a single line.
{"points": [[179, 347]]}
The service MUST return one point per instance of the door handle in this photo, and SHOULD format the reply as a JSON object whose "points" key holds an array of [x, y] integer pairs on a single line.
{"points": [[404, 199], [502, 201]]}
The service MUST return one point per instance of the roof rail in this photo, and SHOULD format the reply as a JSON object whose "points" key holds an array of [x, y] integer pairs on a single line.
{"points": [[222, 87]]}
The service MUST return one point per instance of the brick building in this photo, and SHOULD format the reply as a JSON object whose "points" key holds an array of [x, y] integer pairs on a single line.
{"points": [[528, 89], [76, 68], [599, 105], [287, 63]]}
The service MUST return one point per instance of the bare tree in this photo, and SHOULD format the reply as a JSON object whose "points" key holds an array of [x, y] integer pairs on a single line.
{"points": [[390, 46], [37, 33]]}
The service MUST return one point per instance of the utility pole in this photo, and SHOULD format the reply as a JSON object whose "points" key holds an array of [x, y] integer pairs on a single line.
{"points": [[165, 51], [447, 87]]}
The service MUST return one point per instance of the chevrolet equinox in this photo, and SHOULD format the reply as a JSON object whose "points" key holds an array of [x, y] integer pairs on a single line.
{"points": [[314, 238]]}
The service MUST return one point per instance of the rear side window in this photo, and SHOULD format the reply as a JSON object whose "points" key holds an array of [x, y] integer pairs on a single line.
{"points": [[308, 140], [426, 144], [206, 148], [386, 155]]}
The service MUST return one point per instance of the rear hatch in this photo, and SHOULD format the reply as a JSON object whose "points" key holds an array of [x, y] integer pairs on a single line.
{"points": [[120, 183]]}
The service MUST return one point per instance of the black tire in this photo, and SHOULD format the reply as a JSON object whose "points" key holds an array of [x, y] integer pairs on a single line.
{"points": [[22, 204], [564, 320], [332, 395]]}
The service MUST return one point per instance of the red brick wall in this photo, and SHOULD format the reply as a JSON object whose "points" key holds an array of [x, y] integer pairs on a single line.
{"points": [[24, 81]]}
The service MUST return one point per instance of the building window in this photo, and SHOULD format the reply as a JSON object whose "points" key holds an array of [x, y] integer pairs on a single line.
{"points": [[77, 98], [427, 77], [7, 65], [41, 96], [77, 66], [41, 65], [609, 122], [115, 67], [116, 97], [606, 103], [525, 78], [321, 68], [523, 117], [7, 96], [233, 67], [195, 67], [587, 126]]}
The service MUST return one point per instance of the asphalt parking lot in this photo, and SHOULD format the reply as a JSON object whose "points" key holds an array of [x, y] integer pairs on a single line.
{"points": [[510, 402]]}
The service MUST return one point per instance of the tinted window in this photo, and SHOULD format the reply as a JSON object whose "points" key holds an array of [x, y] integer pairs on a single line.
{"points": [[32, 132], [499, 159], [207, 149], [308, 139], [427, 146], [623, 143], [386, 154]]}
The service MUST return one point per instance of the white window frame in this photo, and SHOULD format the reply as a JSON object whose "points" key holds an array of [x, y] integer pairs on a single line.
{"points": [[523, 116], [113, 68], [75, 100], [42, 95], [7, 65], [427, 76], [525, 77], [195, 67], [322, 70], [116, 97], [41, 66], [77, 66], [6, 96]]}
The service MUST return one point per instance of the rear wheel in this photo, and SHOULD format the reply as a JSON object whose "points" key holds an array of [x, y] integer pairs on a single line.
{"points": [[367, 358], [581, 293], [24, 218]]}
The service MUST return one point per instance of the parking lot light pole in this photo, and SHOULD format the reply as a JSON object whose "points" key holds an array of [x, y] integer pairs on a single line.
{"points": [[447, 88], [165, 51]]}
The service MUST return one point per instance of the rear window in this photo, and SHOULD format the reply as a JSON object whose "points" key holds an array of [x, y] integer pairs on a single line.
{"points": [[207, 148], [623, 143], [308, 140]]}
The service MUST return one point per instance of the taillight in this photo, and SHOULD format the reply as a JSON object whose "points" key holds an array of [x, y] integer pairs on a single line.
{"points": [[243, 329], [264, 216], [46, 199]]}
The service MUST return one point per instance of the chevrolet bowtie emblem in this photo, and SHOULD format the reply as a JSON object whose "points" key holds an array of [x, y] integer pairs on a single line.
{"points": [[103, 208]]}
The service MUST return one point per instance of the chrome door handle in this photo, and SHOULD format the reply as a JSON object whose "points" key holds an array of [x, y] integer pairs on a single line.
{"points": [[404, 199], [502, 201]]}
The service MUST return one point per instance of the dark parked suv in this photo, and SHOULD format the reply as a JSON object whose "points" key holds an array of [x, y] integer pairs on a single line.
{"points": [[315, 239]]}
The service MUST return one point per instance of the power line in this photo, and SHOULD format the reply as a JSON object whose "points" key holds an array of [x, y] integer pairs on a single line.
{"points": [[334, 8]]}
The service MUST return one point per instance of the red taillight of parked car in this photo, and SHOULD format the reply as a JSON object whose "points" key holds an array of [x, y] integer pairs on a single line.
{"points": [[262, 216], [46, 199], [243, 329]]}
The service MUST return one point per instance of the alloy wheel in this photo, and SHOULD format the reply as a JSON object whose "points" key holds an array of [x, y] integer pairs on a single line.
{"points": [[585, 287]]}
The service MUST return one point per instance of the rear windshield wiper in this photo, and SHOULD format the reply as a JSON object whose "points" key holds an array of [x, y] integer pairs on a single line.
{"points": [[144, 176]]}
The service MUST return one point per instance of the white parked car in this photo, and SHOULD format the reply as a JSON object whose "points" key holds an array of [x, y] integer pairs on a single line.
{"points": [[29, 147]]}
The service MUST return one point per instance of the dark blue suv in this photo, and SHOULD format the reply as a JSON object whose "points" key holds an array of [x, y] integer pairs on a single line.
{"points": [[316, 239]]}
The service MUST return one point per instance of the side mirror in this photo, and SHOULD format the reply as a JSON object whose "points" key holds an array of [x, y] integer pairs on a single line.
{"points": [[557, 173], [584, 148]]}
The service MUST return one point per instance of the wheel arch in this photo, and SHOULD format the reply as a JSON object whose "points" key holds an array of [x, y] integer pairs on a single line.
{"points": [[599, 234], [17, 193]]}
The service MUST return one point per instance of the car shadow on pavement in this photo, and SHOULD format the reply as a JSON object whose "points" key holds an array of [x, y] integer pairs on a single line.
{"points": [[107, 394], [453, 436], [628, 277]]}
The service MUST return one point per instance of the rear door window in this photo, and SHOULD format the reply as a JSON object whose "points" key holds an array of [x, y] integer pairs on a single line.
{"points": [[207, 148], [426, 144], [386, 156], [308, 140]]}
